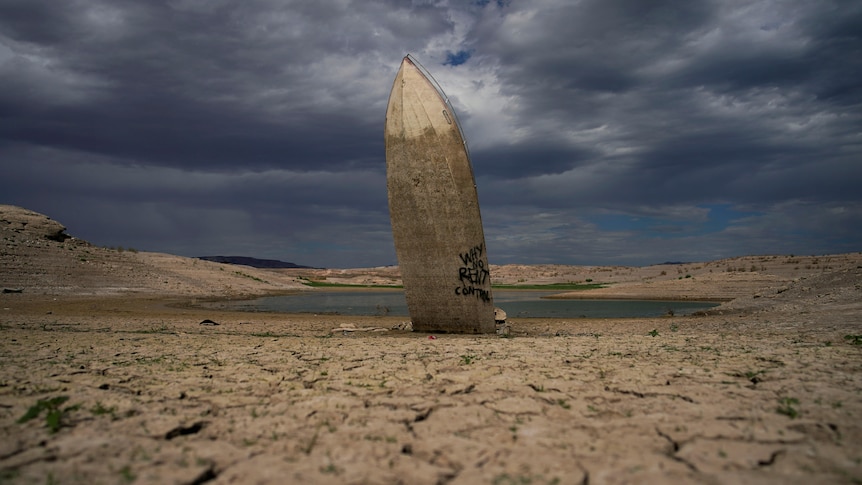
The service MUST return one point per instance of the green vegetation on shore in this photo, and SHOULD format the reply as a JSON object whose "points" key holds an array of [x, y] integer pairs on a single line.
{"points": [[551, 286], [323, 284]]}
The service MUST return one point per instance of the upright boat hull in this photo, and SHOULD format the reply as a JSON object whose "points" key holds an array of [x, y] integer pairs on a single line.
{"points": [[434, 210]]}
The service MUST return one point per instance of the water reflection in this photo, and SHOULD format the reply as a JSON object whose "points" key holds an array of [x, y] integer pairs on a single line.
{"points": [[517, 304]]}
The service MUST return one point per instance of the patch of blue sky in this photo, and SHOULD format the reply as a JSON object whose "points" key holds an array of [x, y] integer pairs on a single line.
{"points": [[457, 58], [720, 216], [621, 222], [723, 215]]}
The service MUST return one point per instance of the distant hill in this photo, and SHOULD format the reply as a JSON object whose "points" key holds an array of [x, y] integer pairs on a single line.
{"points": [[253, 262], [37, 257]]}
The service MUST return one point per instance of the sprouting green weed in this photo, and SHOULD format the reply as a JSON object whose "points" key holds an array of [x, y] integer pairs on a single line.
{"points": [[564, 404], [653, 333], [127, 474], [674, 327], [785, 407], [467, 359], [54, 415], [99, 410], [8, 475], [853, 339], [750, 375]]}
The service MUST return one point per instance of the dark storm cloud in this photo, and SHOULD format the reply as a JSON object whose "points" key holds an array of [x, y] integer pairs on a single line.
{"points": [[201, 85], [602, 131], [686, 89], [524, 161]]}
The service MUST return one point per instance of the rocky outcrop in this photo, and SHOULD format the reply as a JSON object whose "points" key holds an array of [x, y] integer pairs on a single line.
{"points": [[31, 223]]}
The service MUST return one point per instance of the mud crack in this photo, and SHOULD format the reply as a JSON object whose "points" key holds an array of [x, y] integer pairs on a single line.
{"points": [[675, 446], [771, 460], [206, 476], [185, 430], [650, 394]]}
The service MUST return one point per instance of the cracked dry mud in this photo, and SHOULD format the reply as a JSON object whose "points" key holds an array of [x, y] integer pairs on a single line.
{"points": [[766, 396]]}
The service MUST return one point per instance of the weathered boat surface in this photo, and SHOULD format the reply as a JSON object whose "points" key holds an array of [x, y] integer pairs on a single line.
{"points": [[434, 209]]}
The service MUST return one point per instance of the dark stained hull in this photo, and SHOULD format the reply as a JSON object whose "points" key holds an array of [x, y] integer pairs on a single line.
{"points": [[434, 210]]}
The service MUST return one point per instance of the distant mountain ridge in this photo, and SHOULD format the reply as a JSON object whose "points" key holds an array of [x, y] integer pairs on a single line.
{"points": [[253, 262]]}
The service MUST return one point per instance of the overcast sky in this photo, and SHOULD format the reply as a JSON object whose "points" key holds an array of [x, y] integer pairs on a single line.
{"points": [[601, 131]]}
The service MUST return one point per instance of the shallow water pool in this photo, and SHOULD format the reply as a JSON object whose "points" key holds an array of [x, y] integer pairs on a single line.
{"points": [[516, 303]]}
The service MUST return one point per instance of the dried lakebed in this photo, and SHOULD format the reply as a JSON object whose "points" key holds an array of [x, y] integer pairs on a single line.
{"points": [[136, 391]]}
